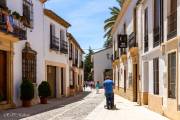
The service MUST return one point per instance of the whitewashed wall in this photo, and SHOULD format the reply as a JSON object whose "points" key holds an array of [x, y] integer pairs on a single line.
{"points": [[54, 56], [35, 38], [101, 63]]}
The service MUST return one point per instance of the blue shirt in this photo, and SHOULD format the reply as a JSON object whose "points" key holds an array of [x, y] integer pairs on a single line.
{"points": [[108, 86]]}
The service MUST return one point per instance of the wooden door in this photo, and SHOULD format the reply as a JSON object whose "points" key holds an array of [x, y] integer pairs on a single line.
{"points": [[3, 74], [124, 80], [62, 81], [135, 83], [51, 78]]}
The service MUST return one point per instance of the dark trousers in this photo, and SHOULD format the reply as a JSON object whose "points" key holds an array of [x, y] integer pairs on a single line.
{"points": [[109, 99]]}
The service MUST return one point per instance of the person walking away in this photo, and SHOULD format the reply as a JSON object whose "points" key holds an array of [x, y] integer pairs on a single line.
{"points": [[108, 87], [97, 87], [84, 86]]}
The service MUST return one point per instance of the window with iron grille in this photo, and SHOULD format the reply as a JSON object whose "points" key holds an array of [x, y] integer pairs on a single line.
{"points": [[156, 75], [172, 75], [62, 35], [146, 44], [70, 51], [158, 23], [54, 41], [172, 19], [28, 11], [29, 60]]}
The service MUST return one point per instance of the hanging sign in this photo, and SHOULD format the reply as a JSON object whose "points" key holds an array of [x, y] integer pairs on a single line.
{"points": [[122, 41]]}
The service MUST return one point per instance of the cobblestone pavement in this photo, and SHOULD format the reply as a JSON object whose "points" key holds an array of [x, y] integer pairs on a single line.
{"points": [[72, 108]]}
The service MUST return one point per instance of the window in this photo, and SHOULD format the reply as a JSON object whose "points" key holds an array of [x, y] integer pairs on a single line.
{"points": [[63, 43], [172, 75], [62, 35], [70, 51], [29, 64], [54, 41], [146, 44], [156, 75], [172, 19], [158, 22], [76, 57], [28, 11]]}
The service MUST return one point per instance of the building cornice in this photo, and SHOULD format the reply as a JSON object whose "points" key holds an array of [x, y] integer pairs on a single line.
{"points": [[120, 15], [56, 18]]}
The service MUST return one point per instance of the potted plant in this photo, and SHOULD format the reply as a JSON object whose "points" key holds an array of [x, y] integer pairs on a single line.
{"points": [[44, 91], [27, 93], [72, 90]]}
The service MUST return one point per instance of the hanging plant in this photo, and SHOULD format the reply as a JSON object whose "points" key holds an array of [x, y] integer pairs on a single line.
{"points": [[16, 15], [25, 21], [5, 10]]}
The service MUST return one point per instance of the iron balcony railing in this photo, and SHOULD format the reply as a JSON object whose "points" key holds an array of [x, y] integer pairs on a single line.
{"points": [[146, 44], [63, 47], [3, 4], [132, 40], [156, 36], [54, 44], [15, 26], [172, 25]]}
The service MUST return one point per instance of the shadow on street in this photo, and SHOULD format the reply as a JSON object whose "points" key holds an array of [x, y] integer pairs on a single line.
{"points": [[21, 112]]}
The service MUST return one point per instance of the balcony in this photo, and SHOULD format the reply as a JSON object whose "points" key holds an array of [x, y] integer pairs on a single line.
{"points": [[2, 3], [157, 37], [132, 40], [172, 25], [54, 43], [146, 43], [13, 27], [64, 47]]}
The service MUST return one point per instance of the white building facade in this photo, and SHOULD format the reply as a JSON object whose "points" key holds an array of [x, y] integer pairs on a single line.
{"points": [[56, 53], [102, 63], [147, 72], [33, 46], [76, 66]]}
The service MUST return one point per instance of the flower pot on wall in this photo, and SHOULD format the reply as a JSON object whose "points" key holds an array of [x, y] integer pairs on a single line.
{"points": [[27, 93], [26, 103], [43, 100]]}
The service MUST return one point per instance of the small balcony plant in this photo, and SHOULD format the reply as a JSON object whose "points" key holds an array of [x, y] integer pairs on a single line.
{"points": [[44, 91], [16, 15], [27, 93]]}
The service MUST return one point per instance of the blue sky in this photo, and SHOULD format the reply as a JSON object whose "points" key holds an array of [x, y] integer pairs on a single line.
{"points": [[86, 17]]}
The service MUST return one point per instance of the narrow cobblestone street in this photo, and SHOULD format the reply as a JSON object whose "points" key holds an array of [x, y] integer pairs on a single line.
{"points": [[73, 108], [85, 106]]}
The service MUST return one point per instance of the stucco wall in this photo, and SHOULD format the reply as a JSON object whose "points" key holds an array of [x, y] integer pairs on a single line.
{"points": [[35, 38], [101, 63]]}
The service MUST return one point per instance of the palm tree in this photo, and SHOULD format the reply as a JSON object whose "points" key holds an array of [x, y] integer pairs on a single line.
{"points": [[110, 22]]}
